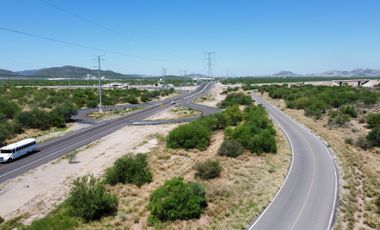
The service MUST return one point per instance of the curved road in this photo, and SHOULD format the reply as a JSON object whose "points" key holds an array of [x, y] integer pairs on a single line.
{"points": [[57, 147], [308, 197]]}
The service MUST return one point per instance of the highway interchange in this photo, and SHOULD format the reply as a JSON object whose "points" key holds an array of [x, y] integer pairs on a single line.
{"points": [[306, 200]]}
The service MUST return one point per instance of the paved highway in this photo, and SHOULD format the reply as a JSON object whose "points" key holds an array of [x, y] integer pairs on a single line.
{"points": [[308, 197], [55, 148]]}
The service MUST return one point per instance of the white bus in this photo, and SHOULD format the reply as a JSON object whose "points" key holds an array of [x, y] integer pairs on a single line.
{"points": [[18, 149]]}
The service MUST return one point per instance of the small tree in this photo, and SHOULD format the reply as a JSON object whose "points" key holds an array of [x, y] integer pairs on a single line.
{"points": [[373, 137], [129, 170], [188, 136], [176, 199], [373, 120], [208, 170], [89, 199], [230, 148]]}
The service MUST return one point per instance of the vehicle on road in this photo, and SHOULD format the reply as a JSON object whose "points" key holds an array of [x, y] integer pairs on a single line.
{"points": [[10, 152]]}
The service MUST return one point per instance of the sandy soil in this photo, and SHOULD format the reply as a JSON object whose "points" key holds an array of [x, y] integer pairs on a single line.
{"points": [[214, 97], [37, 192], [359, 170], [246, 186]]}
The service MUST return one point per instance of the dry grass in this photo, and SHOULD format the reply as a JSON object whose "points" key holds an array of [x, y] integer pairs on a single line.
{"points": [[245, 188], [359, 171], [110, 114]]}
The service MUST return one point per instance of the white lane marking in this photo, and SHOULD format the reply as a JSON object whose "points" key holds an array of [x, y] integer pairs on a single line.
{"points": [[332, 160], [286, 178], [311, 184], [53, 153]]}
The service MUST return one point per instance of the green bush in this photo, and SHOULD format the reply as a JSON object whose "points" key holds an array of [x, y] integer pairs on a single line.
{"points": [[208, 170], [55, 220], [236, 99], [230, 148], [189, 136], [373, 137], [373, 120], [176, 199], [90, 200], [129, 170], [263, 142], [349, 110], [8, 108], [233, 115], [363, 143], [35, 119], [66, 111]]}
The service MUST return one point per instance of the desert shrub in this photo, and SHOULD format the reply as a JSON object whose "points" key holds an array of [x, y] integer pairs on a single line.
{"points": [[208, 169], [66, 111], [176, 199], [58, 219], [263, 142], [129, 170], [363, 143], [348, 141], [36, 119], [8, 108], [373, 120], [233, 115], [373, 137], [315, 108], [236, 99], [349, 110], [230, 148], [188, 136], [90, 200], [1, 220]]}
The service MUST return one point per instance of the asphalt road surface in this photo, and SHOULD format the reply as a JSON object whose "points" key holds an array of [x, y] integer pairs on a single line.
{"points": [[57, 147], [308, 197]]}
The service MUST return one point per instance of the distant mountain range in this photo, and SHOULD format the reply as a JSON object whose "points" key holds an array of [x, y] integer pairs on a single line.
{"points": [[80, 72], [334, 73], [66, 72]]}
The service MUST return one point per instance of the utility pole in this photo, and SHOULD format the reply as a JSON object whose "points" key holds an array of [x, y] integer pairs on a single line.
{"points": [[100, 86], [209, 63]]}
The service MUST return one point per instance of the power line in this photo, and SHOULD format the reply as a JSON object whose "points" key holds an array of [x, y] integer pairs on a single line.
{"points": [[74, 44], [87, 20]]}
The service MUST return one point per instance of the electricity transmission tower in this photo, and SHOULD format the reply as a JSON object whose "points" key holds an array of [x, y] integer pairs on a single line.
{"points": [[164, 71], [210, 58]]}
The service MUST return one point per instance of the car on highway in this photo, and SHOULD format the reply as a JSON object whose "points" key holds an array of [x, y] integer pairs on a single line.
{"points": [[10, 152]]}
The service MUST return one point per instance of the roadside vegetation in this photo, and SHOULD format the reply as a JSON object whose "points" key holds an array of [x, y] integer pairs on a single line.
{"points": [[24, 108], [348, 119], [182, 188]]}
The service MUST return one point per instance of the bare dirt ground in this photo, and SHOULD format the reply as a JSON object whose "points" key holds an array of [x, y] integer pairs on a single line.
{"points": [[175, 112], [37, 192], [359, 170], [245, 188], [214, 97]]}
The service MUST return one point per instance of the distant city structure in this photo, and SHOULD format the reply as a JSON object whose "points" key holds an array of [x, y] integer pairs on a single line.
{"points": [[116, 85], [203, 79]]}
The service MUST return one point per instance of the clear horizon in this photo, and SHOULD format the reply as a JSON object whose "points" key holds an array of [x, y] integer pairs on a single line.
{"points": [[248, 37]]}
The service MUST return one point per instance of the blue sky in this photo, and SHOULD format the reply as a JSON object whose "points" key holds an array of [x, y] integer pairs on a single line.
{"points": [[249, 37]]}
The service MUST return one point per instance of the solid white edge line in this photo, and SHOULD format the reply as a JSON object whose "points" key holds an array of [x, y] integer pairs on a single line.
{"points": [[331, 220], [286, 178]]}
